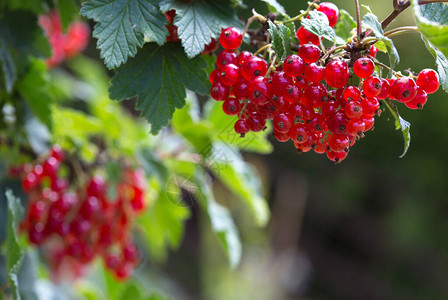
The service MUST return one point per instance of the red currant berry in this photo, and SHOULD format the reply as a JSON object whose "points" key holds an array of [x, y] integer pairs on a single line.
{"points": [[353, 109], [226, 57], [241, 89], [351, 93], [293, 94], [299, 133], [243, 56], [230, 38], [29, 182], [337, 157], [363, 67], [315, 95], [301, 82], [219, 91], [370, 106], [306, 37], [317, 124], [231, 106], [369, 121], [258, 90], [372, 86], [338, 142], [419, 100], [314, 73], [337, 73], [282, 123], [403, 89], [355, 127], [96, 187], [309, 53], [229, 74], [373, 50], [256, 122], [385, 89], [331, 11], [253, 67], [428, 80], [50, 167], [337, 123], [294, 65], [214, 76], [241, 127], [281, 136]]}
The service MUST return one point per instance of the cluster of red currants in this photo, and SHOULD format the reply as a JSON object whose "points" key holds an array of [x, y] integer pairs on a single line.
{"points": [[307, 97], [64, 45], [76, 226]]}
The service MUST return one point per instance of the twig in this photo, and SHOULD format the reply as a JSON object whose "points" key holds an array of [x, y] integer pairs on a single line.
{"points": [[399, 7], [301, 16], [256, 16], [400, 30], [358, 21], [332, 51], [262, 48]]}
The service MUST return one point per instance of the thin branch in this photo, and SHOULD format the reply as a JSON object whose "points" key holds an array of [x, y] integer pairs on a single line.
{"points": [[262, 48], [400, 30], [301, 16], [358, 21], [421, 2], [400, 7]]}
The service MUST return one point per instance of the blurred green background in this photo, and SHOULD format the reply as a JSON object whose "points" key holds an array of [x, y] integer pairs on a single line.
{"points": [[373, 227]]}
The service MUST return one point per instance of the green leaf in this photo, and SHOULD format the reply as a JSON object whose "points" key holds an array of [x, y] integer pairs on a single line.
{"points": [[241, 178], [8, 67], [275, 7], [432, 21], [221, 220], [400, 124], [371, 22], [344, 26], [38, 135], [200, 21], [123, 25], [281, 40], [68, 10], [162, 223], [34, 89], [14, 253], [157, 296], [441, 62], [319, 25], [159, 76], [222, 131]]}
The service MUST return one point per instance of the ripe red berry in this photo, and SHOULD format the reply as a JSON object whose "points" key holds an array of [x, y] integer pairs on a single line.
{"points": [[337, 157], [30, 182], [214, 76], [315, 95], [96, 187], [229, 74], [258, 90], [241, 127], [355, 127], [337, 122], [331, 11], [281, 136], [309, 53], [293, 65], [314, 73], [230, 38], [50, 167], [253, 67], [306, 37], [373, 50], [301, 82], [403, 89], [338, 142], [256, 122], [372, 86], [363, 67], [385, 89], [219, 91], [293, 94], [241, 89], [428, 80], [231, 106], [279, 82], [351, 93], [337, 73], [419, 100], [243, 56], [370, 106], [57, 152], [226, 57], [353, 109], [282, 123], [299, 133], [211, 47]]}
